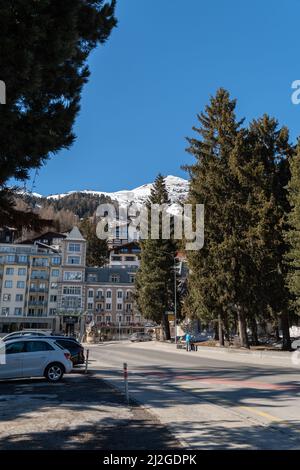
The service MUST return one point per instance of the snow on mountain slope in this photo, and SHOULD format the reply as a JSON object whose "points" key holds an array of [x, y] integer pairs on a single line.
{"points": [[177, 189]]}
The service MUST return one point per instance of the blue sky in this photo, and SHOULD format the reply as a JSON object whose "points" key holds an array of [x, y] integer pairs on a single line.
{"points": [[157, 72]]}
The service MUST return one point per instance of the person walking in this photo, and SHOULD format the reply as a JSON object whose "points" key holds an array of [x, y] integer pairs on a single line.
{"points": [[188, 341]]}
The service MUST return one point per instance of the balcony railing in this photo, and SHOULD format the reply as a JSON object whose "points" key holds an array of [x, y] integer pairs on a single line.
{"points": [[38, 289]]}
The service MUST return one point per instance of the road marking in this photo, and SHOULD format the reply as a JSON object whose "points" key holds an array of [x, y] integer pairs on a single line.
{"points": [[262, 413]]}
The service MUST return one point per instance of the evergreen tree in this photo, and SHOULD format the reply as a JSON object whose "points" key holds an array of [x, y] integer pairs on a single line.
{"points": [[155, 278], [293, 231], [97, 252], [44, 49], [214, 269], [240, 176]]}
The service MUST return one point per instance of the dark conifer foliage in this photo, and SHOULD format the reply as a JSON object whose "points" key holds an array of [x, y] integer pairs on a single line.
{"points": [[155, 279], [44, 48]]}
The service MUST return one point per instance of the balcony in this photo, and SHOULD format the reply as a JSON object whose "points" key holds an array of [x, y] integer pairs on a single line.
{"points": [[41, 276], [38, 303], [38, 289]]}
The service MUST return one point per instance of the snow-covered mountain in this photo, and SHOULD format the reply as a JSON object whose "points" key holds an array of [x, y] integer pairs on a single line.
{"points": [[177, 189]]}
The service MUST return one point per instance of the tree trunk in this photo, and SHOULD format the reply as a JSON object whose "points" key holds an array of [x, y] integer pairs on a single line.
{"points": [[220, 331], [165, 328], [253, 323], [276, 331], [226, 328], [242, 329], [216, 328], [285, 326]]}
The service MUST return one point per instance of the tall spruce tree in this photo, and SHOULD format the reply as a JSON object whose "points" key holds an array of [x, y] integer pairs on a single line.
{"points": [[293, 232], [155, 278], [43, 62], [214, 269]]}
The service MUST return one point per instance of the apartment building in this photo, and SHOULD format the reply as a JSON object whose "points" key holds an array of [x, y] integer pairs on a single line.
{"points": [[46, 284], [28, 283]]}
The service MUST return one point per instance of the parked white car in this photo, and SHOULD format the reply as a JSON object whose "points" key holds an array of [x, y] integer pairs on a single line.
{"points": [[34, 357], [25, 333]]}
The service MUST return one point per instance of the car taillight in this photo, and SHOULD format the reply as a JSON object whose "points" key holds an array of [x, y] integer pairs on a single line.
{"points": [[67, 355]]}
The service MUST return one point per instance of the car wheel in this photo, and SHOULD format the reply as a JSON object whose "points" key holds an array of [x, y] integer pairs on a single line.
{"points": [[54, 372]]}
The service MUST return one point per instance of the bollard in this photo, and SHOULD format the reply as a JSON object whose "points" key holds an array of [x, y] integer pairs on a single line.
{"points": [[126, 381], [86, 360]]}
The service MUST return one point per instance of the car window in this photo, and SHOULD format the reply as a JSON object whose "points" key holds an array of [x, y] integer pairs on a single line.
{"points": [[59, 345], [15, 348], [35, 346], [66, 344]]}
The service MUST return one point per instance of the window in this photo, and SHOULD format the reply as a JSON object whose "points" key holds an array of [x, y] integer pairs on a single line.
{"points": [[129, 258], [36, 346], [108, 294], [6, 297], [99, 294], [52, 311], [40, 262], [115, 278], [53, 298], [92, 277], [120, 319], [20, 284], [55, 273], [131, 278], [108, 306], [73, 260], [8, 284], [74, 247], [22, 258], [120, 294], [9, 271], [90, 306], [128, 319], [119, 306], [22, 271], [72, 276], [18, 311], [5, 311], [72, 290], [108, 318], [55, 260], [10, 258], [15, 348], [116, 258], [19, 297], [91, 294], [54, 285], [128, 307]]}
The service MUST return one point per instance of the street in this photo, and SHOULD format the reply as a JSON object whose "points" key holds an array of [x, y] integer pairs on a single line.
{"points": [[208, 403]]}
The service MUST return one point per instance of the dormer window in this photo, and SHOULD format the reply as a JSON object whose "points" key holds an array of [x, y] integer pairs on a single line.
{"points": [[115, 278]]}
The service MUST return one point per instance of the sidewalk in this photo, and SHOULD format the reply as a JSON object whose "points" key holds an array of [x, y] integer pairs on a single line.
{"points": [[81, 412]]}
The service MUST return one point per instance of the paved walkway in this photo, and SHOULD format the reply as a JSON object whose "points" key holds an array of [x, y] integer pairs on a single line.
{"points": [[81, 412]]}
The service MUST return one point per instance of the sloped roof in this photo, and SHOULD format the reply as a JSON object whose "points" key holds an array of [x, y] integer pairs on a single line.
{"points": [[103, 275], [75, 234]]}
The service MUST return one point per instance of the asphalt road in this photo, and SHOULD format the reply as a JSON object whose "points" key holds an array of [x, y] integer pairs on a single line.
{"points": [[209, 403]]}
